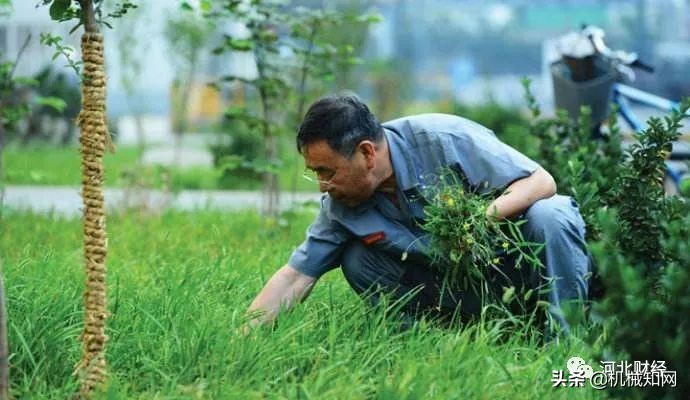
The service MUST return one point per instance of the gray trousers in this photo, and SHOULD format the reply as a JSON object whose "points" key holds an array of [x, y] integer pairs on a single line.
{"points": [[555, 221]]}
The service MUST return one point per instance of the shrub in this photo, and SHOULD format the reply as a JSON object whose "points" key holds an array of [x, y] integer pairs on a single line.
{"points": [[583, 167], [235, 156], [638, 237], [645, 313], [643, 259]]}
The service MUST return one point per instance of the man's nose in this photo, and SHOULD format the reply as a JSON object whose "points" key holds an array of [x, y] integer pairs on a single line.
{"points": [[323, 187]]}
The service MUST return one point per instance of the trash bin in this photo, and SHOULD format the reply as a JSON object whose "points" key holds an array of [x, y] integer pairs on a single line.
{"points": [[595, 93]]}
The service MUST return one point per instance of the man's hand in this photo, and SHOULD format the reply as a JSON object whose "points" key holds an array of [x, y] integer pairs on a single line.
{"points": [[285, 287], [253, 322], [521, 194]]}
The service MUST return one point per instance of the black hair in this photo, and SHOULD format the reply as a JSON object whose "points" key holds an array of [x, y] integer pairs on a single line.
{"points": [[343, 120]]}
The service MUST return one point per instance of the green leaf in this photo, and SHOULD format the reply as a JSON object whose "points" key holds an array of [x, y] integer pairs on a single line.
{"points": [[206, 5], [235, 111], [25, 80], [59, 8], [268, 36], [371, 18], [36, 176], [231, 162], [528, 294], [239, 44], [55, 103], [71, 31], [454, 256]]}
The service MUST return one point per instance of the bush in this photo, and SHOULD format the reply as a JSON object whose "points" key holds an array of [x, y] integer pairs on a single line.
{"points": [[638, 237], [45, 123], [645, 313], [644, 260], [235, 157], [583, 167]]}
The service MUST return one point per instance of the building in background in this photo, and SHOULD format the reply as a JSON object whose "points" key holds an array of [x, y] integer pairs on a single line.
{"points": [[151, 97], [468, 50]]}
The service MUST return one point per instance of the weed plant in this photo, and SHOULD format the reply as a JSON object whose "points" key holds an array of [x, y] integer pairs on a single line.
{"points": [[468, 245]]}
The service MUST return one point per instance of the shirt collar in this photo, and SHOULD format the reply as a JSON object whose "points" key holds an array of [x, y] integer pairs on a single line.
{"points": [[404, 166]]}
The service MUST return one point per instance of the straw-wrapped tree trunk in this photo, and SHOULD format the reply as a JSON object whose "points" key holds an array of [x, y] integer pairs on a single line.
{"points": [[93, 140], [4, 349]]}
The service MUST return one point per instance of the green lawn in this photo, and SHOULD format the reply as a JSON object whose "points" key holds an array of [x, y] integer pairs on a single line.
{"points": [[179, 284], [44, 165]]}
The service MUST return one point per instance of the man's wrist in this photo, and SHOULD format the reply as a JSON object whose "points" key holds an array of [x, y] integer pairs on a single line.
{"points": [[492, 211]]}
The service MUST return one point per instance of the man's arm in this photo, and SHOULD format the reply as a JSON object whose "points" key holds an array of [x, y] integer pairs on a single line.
{"points": [[522, 193], [285, 287]]}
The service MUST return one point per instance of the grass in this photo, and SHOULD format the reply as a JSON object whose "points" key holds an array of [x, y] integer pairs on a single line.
{"points": [[46, 165], [178, 286]]}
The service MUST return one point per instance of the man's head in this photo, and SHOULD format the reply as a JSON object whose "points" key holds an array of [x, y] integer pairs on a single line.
{"points": [[343, 143]]}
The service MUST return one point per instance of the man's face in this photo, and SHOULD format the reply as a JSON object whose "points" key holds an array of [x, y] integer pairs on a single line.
{"points": [[347, 180]]}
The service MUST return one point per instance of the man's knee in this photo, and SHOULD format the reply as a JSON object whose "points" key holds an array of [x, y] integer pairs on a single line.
{"points": [[557, 223], [549, 219], [365, 268], [353, 266]]}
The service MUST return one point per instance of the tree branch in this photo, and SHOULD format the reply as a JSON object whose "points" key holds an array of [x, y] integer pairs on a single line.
{"points": [[19, 56], [88, 16]]}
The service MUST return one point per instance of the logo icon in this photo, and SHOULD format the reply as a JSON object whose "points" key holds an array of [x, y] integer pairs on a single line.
{"points": [[578, 366]]}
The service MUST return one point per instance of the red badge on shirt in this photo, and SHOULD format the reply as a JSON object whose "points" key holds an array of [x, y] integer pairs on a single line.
{"points": [[373, 238]]}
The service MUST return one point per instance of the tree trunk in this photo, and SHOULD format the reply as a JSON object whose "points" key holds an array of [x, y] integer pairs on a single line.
{"points": [[4, 346], [93, 140], [141, 139], [2, 169], [271, 195], [301, 100], [183, 101], [271, 189]]}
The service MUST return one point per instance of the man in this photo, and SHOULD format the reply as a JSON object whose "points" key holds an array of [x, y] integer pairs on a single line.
{"points": [[375, 177]]}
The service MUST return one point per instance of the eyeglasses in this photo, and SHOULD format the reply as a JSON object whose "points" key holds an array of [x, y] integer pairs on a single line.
{"points": [[314, 177]]}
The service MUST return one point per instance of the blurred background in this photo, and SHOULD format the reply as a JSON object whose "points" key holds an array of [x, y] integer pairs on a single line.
{"points": [[461, 56]]}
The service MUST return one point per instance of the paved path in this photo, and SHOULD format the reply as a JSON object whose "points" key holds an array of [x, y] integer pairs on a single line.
{"points": [[67, 201]]}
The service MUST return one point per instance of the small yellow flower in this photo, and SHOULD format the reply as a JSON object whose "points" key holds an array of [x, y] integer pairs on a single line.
{"points": [[496, 260], [466, 226], [505, 245], [451, 202], [469, 240]]}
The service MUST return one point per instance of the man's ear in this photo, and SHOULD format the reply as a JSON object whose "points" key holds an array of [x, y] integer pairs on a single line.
{"points": [[368, 150]]}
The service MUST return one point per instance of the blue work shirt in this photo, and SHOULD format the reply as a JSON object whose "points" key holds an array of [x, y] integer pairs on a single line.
{"points": [[422, 148]]}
